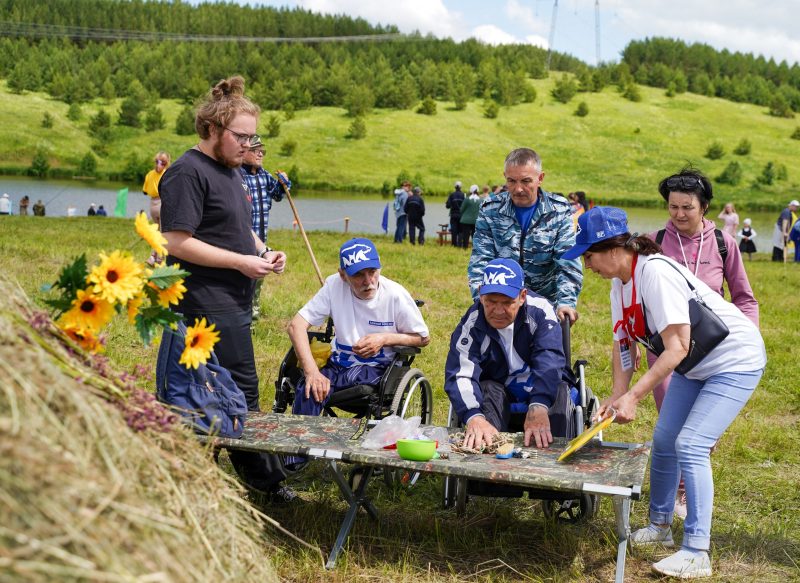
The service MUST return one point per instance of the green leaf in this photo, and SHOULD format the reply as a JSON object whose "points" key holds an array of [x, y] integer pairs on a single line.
{"points": [[150, 319], [71, 279], [164, 277]]}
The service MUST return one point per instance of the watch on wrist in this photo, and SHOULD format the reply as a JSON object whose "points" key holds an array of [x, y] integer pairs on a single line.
{"points": [[264, 251]]}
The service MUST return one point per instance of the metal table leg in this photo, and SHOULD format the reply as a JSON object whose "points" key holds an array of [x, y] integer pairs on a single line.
{"points": [[622, 515], [355, 499]]}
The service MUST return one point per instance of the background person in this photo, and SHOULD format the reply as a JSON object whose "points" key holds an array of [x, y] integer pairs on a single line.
{"points": [[101, 211], [401, 218], [150, 186], [92, 210], [206, 219], [469, 214], [506, 350], [23, 205], [747, 236], [415, 210], [649, 293], [372, 313], [780, 234], [39, 208], [532, 226], [264, 188], [729, 218], [5, 204], [454, 202]]}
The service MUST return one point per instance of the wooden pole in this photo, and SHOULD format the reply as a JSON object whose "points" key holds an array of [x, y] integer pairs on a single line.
{"points": [[346, 224], [300, 226]]}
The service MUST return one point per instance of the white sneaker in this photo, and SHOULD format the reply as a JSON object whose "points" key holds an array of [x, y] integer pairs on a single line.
{"points": [[680, 504], [685, 565], [652, 535]]}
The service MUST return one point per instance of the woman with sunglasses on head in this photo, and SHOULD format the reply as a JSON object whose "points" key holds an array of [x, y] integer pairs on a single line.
{"points": [[712, 256], [150, 188], [653, 294]]}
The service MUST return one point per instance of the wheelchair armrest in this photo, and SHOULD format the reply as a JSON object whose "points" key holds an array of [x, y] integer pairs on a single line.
{"points": [[406, 350]]}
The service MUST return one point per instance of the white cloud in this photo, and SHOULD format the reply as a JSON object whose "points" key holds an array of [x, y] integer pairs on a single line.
{"points": [[536, 40], [520, 14], [492, 35], [427, 16]]}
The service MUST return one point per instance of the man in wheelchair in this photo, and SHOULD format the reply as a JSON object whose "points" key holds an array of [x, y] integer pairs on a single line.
{"points": [[506, 356], [372, 314]]}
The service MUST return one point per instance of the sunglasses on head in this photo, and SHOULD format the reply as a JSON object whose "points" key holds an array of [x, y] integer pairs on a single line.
{"points": [[684, 184]]}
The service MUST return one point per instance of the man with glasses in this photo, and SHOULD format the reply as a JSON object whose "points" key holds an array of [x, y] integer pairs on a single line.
{"points": [[533, 227], [206, 217], [264, 188]]}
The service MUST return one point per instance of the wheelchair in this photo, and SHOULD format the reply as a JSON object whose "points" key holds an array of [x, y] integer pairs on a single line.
{"points": [[577, 405], [403, 391]]}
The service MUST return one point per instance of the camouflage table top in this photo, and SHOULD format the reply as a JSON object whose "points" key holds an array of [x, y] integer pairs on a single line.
{"points": [[597, 468]]}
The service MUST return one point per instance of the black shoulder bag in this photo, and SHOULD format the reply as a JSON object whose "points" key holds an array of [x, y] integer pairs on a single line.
{"points": [[707, 330]]}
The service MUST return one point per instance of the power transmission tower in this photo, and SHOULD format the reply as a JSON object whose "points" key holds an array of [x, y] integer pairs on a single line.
{"points": [[552, 34], [597, 28]]}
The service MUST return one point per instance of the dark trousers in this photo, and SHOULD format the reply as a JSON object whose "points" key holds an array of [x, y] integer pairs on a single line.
{"points": [[415, 222], [235, 352], [455, 231], [467, 231], [340, 378], [400, 231], [497, 409]]}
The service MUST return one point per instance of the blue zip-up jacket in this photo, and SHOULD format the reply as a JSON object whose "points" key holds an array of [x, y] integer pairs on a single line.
{"points": [[550, 234], [477, 354]]}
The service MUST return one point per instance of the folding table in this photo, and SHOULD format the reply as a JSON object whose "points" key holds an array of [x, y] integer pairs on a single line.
{"points": [[604, 468]]}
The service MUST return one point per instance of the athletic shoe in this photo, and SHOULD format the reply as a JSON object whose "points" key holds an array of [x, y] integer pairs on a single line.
{"points": [[685, 564], [652, 535], [680, 504]]}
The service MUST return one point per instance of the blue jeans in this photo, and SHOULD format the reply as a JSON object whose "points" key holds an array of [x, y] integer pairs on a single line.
{"points": [[400, 232], [693, 417]]}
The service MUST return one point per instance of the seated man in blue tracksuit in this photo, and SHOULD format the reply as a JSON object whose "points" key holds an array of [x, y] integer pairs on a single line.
{"points": [[506, 355]]}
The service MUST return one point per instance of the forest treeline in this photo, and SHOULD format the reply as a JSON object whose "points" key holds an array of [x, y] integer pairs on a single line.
{"points": [[389, 74], [699, 68]]}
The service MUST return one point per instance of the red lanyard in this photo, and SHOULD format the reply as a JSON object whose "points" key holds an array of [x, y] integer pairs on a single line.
{"points": [[632, 317]]}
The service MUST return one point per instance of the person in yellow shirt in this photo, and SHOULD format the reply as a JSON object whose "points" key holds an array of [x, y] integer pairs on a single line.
{"points": [[150, 188]]}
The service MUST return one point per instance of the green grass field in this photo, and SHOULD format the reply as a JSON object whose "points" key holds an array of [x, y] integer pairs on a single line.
{"points": [[616, 154], [756, 531]]}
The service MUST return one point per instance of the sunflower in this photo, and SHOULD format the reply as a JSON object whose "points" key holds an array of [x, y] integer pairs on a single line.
{"points": [[118, 277], [88, 312], [171, 294], [150, 233], [85, 339], [133, 306], [200, 341]]}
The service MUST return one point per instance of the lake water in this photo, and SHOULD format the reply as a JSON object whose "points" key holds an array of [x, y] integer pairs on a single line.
{"points": [[317, 210]]}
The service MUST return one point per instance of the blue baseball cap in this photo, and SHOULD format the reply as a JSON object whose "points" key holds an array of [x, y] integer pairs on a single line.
{"points": [[598, 224], [502, 276], [358, 254]]}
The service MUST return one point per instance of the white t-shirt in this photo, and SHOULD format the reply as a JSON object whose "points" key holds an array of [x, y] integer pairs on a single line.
{"points": [[392, 310], [666, 301]]}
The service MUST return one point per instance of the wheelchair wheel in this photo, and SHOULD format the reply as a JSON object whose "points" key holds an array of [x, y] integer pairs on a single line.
{"points": [[572, 511], [413, 396]]}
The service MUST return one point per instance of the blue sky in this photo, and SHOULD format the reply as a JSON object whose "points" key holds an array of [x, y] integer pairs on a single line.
{"points": [[767, 27]]}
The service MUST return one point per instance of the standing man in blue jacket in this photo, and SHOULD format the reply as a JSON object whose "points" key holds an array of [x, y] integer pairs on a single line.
{"points": [[506, 355], [532, 226]]}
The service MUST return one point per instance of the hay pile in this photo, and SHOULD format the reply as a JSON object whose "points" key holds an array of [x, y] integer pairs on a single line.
{"points": [[83, 497]]}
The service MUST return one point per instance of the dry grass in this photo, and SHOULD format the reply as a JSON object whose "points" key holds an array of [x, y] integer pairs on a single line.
{"points": [[83, 497]]}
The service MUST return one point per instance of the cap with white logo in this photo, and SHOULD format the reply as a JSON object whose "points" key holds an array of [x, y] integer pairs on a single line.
{"points": [[358, 254], [502, 276], [598, 224]]}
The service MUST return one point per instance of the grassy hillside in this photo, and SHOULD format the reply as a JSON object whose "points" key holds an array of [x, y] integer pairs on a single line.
{"points": [[617, 153]]}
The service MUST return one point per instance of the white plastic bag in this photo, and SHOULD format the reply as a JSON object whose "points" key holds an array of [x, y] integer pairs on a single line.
{"points": [[389, 429], [438, 434]]}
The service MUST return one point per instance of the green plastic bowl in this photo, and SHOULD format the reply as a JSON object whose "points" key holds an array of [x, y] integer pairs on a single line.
{"points": [[418, 450]]}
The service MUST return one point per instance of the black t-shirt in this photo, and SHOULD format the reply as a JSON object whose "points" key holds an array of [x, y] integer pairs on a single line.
{"points": [[211, 202]]}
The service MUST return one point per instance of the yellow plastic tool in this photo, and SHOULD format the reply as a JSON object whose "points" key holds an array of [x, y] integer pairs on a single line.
{"points": [[586, 436]]}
